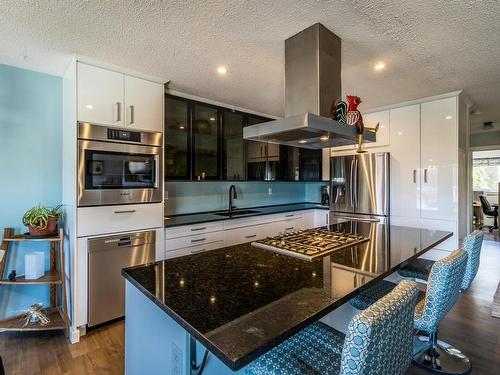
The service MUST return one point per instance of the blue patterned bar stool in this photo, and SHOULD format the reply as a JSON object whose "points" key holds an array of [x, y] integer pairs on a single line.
{"points": [[443, 289], [378, 341], [420, 268]]}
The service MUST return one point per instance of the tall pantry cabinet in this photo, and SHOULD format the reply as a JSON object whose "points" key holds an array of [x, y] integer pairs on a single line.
{"points": [[428, 180]]}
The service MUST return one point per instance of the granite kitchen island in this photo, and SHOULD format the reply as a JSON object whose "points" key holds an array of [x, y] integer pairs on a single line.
{"points": [[233, 304]]}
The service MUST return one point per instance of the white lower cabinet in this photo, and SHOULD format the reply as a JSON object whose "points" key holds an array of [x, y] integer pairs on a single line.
{"points": [[196, 238], [247, 234]]}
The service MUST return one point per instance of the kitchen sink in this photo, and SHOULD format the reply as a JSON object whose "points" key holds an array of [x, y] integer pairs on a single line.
{"points": [[238, 213]]}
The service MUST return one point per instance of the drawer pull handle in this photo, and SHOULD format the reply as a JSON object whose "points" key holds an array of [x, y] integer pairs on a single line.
{"points": [[289, 228], [197, 251], [251, 236], [197, 229], [199, 240], [291, 215], [125, 212]]}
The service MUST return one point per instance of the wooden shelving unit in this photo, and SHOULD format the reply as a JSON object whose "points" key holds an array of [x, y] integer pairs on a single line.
{"points": [[57, 312]]}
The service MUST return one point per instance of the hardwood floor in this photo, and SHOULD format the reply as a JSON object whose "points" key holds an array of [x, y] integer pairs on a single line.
{"points": [[469, 326]]}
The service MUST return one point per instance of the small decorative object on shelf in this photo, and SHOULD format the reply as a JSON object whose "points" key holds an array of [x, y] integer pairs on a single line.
{"points": [[35, 315], [12, 275], [34, 265], [42, 220], [355, 118]]}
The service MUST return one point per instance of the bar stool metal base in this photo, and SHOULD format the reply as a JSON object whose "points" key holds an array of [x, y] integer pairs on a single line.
{"points": [[442, 358]]}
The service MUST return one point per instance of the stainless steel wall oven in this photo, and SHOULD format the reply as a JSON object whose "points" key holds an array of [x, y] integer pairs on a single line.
{"points": [[118, 166]]}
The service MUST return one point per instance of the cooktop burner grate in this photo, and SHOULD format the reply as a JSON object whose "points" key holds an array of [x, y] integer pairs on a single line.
{"points": [[309, 244]]}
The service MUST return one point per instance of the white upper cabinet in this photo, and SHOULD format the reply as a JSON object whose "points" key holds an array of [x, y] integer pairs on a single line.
{"points": [[383, 134], [106, 97], [405, 161], [143, 104], [439, 159], [100, 96]]}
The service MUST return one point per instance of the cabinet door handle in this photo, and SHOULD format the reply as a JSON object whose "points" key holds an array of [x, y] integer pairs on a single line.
{"points": [[414, 176], [291, 215], [131, 116], [125, 212], [197, 229], [289, 228], [118, 112], [251, 236], [199, 240], [425, 175], [197, 251]]}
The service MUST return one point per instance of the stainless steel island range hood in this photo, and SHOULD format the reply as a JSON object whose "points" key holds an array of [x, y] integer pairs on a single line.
{"points": [[312, 83]]}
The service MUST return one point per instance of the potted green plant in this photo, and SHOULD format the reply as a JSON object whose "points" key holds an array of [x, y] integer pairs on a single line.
{"points": [[42, 220]]}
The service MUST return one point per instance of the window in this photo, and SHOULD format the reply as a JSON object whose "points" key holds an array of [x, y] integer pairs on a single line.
{"points": [[486, 174]]}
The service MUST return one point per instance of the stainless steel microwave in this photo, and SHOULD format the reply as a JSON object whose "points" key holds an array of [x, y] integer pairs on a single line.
{"points": [[118, 166]]}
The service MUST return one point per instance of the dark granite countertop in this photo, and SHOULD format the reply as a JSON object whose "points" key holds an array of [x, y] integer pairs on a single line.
{"points": [[204, 217], [241, 301]]}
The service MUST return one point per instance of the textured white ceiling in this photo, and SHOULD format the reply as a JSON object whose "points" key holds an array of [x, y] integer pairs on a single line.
{"points": [[429, 47]]}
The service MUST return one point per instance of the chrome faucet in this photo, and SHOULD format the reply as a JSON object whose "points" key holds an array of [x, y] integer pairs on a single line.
{"points": [[232, 195]]}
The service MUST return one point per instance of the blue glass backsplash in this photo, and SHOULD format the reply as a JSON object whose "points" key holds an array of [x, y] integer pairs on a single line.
{"points": [[192, 197]]}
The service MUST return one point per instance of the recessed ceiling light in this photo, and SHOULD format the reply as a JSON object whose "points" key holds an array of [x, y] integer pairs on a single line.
{"points": [[302, 141], [400, 133], [379, 66], [222, 70], [448, 117], [89, 106], [212, 118], [181, 127], [324, 138]]}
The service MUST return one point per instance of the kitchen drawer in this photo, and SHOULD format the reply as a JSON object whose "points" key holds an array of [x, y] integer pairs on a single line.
{"points": [[262, 219], [193, 240], [111, 219], [189, 230], [176, 253], [292, 224], [246, 234], [194, 249]]}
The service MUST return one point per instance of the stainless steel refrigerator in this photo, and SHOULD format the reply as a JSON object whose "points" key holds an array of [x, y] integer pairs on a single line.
{"points": [[359, 186]]}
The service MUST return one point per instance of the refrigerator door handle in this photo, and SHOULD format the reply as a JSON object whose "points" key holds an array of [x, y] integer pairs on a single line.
{"points": [[351, 183], [355, 183]]}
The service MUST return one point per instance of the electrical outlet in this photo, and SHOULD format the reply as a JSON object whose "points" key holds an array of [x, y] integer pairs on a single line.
{"points": [[176, 360], [270, 191]]}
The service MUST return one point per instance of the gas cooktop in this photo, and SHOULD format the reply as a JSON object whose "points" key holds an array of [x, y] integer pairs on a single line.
{"points": [[310, 244]]}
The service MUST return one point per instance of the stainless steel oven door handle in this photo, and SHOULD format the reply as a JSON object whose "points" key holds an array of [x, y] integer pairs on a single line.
{"points": [[157, 171]]}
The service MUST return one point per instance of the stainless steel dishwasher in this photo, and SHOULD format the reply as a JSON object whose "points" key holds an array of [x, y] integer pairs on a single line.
{"points": [[107, 256]]}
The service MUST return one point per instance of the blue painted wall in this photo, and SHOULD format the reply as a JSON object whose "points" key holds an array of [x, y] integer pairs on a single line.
{"points": [[30, 165], [190, 197]]}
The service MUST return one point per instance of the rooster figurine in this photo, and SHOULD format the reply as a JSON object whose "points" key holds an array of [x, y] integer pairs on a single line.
{"points": [[354, 118]]}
